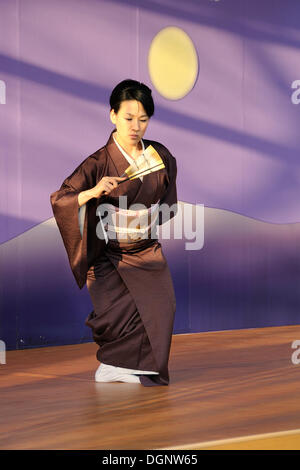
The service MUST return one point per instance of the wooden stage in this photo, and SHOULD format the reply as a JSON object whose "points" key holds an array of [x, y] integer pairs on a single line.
{"points": [[230, 389]]}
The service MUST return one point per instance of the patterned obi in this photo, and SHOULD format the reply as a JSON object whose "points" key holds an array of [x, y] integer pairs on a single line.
{"points": [[129, 226]]}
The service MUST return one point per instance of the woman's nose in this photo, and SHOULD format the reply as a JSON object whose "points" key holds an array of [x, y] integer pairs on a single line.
{"points": [[136, 126]]}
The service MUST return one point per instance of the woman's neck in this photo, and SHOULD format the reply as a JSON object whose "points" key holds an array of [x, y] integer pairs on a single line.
{"points": [[134, 151]]}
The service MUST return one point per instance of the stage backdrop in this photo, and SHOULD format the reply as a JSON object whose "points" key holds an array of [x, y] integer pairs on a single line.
{"points": [[225, 77]]}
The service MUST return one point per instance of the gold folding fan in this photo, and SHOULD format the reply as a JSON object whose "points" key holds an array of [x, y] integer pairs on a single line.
{"points": [[148, 162]]}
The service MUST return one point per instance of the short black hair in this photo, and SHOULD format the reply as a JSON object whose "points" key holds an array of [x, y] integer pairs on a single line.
{"points": [[132, 90]]}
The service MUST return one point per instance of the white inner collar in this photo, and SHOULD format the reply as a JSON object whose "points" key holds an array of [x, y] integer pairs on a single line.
{"points": [[128, 157]]}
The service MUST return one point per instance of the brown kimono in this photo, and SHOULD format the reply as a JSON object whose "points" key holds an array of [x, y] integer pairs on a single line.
{"points": [[129, 283]]}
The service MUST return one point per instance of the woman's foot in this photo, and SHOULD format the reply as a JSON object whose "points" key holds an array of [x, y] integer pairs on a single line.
{"points": [[107, 373]]}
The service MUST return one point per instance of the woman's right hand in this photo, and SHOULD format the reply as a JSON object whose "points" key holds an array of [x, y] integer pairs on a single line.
{"points": [[106, 185]]}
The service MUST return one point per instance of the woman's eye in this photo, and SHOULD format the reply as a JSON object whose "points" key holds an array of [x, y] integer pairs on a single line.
{"points": [[128, 119]]}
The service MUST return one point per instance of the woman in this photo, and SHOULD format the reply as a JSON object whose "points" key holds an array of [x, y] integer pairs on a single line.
{"points": [[128, 278]]}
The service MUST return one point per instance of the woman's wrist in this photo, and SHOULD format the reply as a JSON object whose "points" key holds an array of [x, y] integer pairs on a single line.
{"points": [[85, 196]]}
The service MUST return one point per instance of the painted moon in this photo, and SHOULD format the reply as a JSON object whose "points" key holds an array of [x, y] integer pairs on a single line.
{"points": [[173, 63]]}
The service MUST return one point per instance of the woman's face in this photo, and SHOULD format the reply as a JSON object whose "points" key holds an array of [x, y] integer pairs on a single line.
{"points": [[131, 121]]}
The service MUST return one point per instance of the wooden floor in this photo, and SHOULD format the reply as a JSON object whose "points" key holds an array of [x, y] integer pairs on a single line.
{"points": [[226, 388]]}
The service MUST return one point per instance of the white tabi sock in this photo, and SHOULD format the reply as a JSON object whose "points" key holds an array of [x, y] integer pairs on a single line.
{"points": [[123, 370], [134, 371], [107, 373]]}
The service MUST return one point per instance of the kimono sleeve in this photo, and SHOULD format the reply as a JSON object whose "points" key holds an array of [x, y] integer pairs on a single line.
{"points": [[65, 208], [168, 203]]}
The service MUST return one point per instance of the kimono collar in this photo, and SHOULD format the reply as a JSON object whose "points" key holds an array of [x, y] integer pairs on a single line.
{"points": [[136, 190], [128, 157], [120, 162]]}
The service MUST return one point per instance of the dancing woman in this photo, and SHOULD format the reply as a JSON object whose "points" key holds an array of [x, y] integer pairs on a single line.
{"points": [[127, 276]]}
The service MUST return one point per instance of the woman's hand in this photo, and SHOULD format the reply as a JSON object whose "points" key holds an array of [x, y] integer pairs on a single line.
{"points": [[103, 187], [106, 185]]}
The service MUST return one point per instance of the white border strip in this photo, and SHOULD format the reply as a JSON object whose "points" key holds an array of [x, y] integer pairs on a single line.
{"points": [[232, 440]]}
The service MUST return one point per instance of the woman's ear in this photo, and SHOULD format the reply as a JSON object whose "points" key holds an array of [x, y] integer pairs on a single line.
{"points": [[112, 116]]}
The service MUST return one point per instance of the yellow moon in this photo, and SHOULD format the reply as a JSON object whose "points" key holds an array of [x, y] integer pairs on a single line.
{"points": [[173, 63]]}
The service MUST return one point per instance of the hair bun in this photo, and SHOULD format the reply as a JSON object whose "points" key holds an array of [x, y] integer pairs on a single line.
{"points": [[146, 88]]}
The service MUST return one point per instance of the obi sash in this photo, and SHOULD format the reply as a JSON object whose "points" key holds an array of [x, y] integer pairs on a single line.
{"points": [[127, 225]]}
